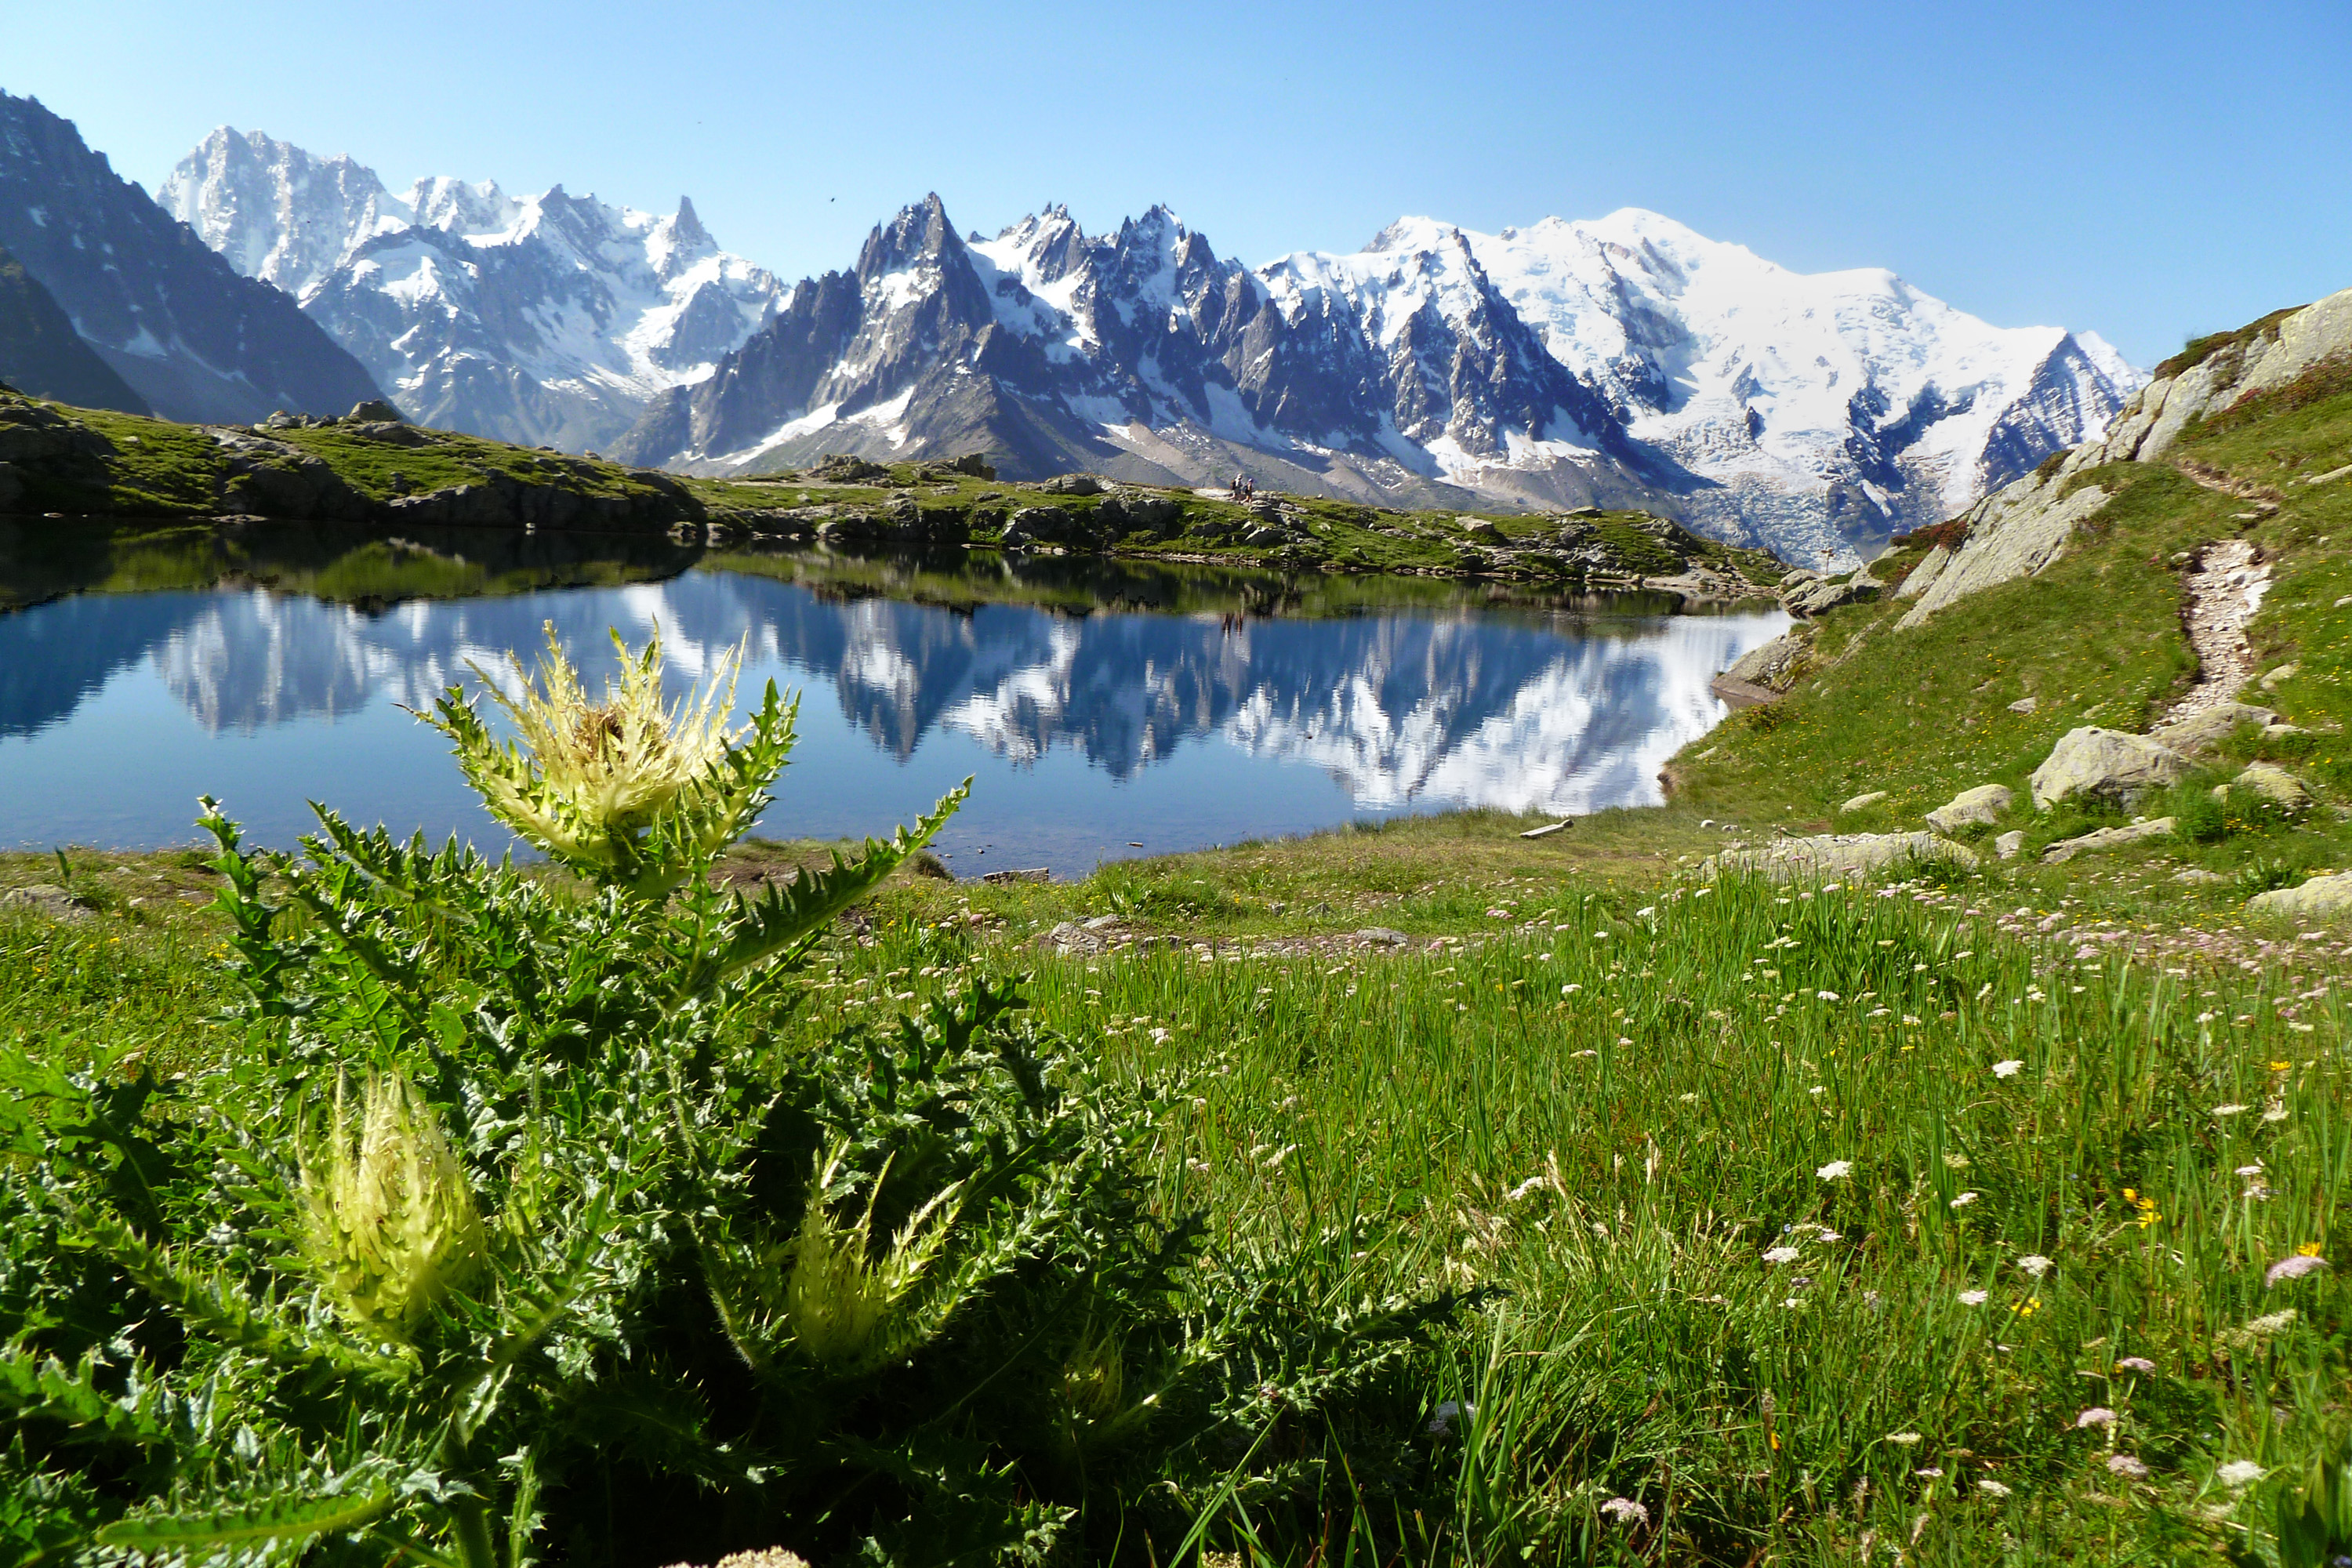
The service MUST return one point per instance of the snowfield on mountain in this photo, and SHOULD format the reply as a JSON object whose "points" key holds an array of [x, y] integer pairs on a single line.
{"points": [[547, 318]]}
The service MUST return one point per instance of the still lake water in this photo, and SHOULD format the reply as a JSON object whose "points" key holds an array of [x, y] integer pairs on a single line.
{"points": [[1099, 706]]}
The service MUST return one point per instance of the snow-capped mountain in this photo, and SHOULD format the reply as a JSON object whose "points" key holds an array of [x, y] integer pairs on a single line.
{"points": [[544, 319], [1850, 396], [191, 338], [1628, 361]]}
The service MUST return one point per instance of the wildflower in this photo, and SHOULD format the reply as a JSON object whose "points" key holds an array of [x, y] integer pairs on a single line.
{"points": [[1625, 1511], [1992, 1489], [1781, 1254], [1963, 1201], [2247, 1171], [2034, 1263], [1835, 1171], [2238, 1473], [1531, 1186], [585, 781], [389, 1226], [2232, 1110], [842, 1307], [1972, 1297], [2130, 1468], [2295, 1267], [1929, 1473], [2096, 1415], [1904, 1439], [2139, 1364], [2009, 1068], [1825, 996]]}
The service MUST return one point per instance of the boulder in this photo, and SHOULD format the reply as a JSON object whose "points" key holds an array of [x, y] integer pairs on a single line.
{"points": [[2009, 844], [2025, 705], [2105, 765], [1797, 579], [1858, 802], [2274, 784], [2322, 898], [1023, 874], [1043, 526], [1819, 598], [1161, 514], [971, 463], [2108, 838], [43, 899], [1979, 807], [2280, 676], [1073, 485], [1774, 665], [2198, 877], [2201, 734], [375, 411], [1839, 855], [1479, 529]]}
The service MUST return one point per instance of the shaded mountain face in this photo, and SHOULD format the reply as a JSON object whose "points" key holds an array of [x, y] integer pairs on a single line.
{"points": [[42, 354], [192, 338], [546, 319], [1627, 362]]}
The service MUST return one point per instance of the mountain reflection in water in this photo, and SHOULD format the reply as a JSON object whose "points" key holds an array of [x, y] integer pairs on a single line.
{"points": [[1087, 730]]}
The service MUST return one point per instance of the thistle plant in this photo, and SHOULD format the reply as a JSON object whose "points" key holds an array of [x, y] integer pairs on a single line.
{"points": [[847, 1310], [626, 789], [389, 1226]]}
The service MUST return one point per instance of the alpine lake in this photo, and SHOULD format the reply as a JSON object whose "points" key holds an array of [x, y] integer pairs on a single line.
{"points": [[1103, 709]]}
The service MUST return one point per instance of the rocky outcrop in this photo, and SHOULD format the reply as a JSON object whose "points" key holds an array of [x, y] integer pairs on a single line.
{"points": [[1840, 854], [2200, 734], [2110, 766], [1813, 599], [1979, 807], [2321, 898], [2273, 783], [1771, 667], [2019, 531], [2107, 838]]}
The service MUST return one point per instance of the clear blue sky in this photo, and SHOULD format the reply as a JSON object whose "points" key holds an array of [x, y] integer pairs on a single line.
{"points": [[2146, 170]]}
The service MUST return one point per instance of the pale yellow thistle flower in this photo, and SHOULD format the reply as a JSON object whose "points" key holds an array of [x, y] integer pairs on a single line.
{"points": [[389, 1226], [584, 779], [1095, 1377], [841, 1304]]}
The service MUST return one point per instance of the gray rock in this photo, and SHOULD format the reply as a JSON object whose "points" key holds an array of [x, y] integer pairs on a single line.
{"points": [[1858, 802], [2322, 898], [1819, 598], [2201, 734], [1073, 485], [1380, 936], [1839, 855], [2025, 705], [375, 411], [2009, 844], [1027, 874], [1071, 937], [1548, 829], [45, 898], [1979, 807], [2105, 765], [1775, 665], [2275, 785], [2013, 533], [1479, 529], [1922, 576], [1041, 525], [2198, 877], [2279, 677], [1800, 577], [2108, 838]]}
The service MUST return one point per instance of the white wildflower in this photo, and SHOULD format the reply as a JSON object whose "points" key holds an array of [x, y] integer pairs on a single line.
{"points": [[2295, 1267], [2009, 1068], [2238, 1473], [2231, 1110], [1963, 1201], [1625, 1511], [2096, 1415], [1835, 1171], [2034, 1263], [1904, 1439], [1972, 1297], [2130, 1468], [1992, 1489], [1781, 1254]]}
